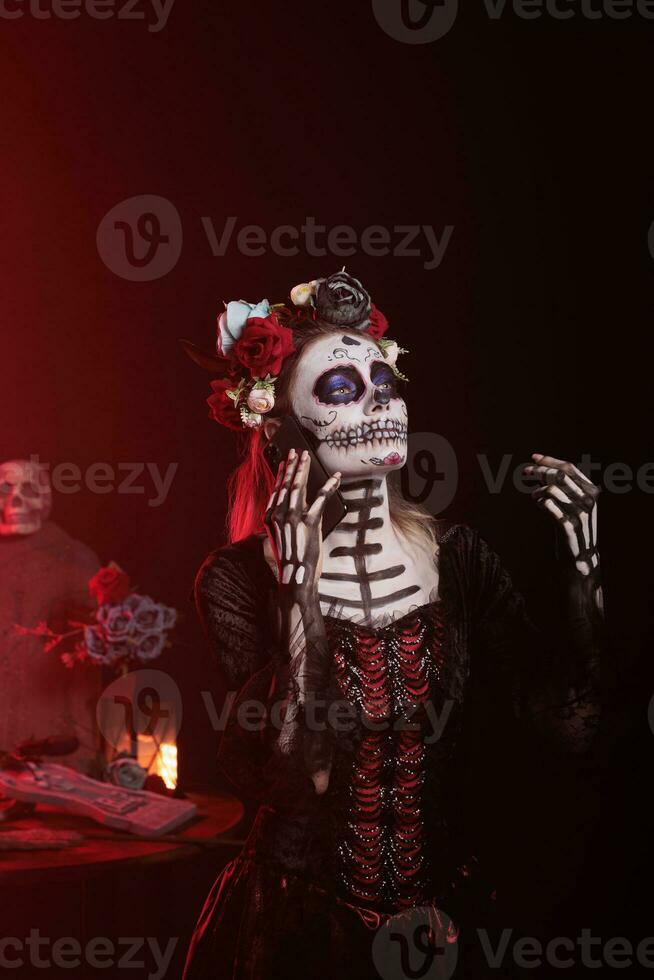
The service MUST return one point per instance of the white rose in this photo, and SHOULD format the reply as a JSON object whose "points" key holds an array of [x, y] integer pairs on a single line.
{"points": [[261, 400], [251, 419], [126, 772], [301, 294], [150, 646], [391, 351]]}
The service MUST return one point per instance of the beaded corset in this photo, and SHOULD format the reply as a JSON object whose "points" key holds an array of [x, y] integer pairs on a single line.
{"points": [[388, 675]]}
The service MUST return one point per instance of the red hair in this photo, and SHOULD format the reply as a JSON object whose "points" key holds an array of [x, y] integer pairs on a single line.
{"points": [[252, 482], [250, 486]]}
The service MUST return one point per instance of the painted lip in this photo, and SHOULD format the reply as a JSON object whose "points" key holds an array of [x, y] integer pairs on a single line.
{"points": [[392, 459]]}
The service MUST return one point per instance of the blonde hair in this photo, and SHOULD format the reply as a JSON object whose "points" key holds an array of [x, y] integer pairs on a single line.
{"points": [[411, 520]]}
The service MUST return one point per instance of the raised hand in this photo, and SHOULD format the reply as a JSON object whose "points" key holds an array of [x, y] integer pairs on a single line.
{"points": [[295, 531], [571, 499]]}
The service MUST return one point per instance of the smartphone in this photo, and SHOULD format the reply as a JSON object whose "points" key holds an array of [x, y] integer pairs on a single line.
{"points": [[291, 436]]}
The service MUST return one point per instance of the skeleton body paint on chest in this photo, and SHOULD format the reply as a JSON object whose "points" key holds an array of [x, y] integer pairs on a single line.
{"points": [[346, 395]]}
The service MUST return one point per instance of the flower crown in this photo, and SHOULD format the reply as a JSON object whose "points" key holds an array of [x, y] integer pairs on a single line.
{"points": [[254, 341]]}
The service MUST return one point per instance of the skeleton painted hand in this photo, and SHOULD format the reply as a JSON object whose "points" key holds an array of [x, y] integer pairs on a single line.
{"points": [[571, 499], [295, 531]]}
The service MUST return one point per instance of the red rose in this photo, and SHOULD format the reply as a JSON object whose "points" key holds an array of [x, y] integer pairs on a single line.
{"points": [[263, 345], [378, 323], [110, 585], [221, 407]]}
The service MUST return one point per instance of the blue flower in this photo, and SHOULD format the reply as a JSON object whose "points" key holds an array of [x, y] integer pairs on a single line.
{"points": [[233, 320]]}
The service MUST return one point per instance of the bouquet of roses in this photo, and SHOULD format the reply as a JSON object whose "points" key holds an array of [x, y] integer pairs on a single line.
{"points": [[128, 628]]}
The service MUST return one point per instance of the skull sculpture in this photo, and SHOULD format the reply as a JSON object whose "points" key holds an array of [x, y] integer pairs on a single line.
{"points": [[345, 393], [25, 497]]}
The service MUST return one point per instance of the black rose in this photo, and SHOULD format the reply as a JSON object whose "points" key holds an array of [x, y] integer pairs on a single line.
{"points": [[341, 301]]}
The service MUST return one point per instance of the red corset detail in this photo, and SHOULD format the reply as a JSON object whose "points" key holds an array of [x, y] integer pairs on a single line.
{"points": [[387, 673]]}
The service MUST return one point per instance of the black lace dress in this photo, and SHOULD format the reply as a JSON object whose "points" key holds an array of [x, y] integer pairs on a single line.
{"points": [[319, 875]]}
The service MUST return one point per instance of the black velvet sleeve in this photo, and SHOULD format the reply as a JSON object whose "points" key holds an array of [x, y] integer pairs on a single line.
{"points": [[231, 601], [550, 674], [233, 598]]}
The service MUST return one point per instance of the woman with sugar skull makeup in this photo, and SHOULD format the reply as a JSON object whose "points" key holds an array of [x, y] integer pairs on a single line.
{"points": [[362, 650]]}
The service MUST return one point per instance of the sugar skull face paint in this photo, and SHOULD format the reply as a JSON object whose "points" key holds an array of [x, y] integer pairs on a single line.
{"points": [[347, 395]]}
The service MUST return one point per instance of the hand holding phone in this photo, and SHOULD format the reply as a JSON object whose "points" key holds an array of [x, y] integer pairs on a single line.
{"points": [[294, 530], [290, 436]]}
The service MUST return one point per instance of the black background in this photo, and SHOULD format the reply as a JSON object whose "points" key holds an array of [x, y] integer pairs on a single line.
{"points": [[530, 137]]}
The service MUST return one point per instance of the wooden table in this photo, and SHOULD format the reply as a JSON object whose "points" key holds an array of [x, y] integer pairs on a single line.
{"points": [[113, 885], [217, 816]]}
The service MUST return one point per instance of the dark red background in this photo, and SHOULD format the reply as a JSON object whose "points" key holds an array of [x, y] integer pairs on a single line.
{"points": [[530, 137]]}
